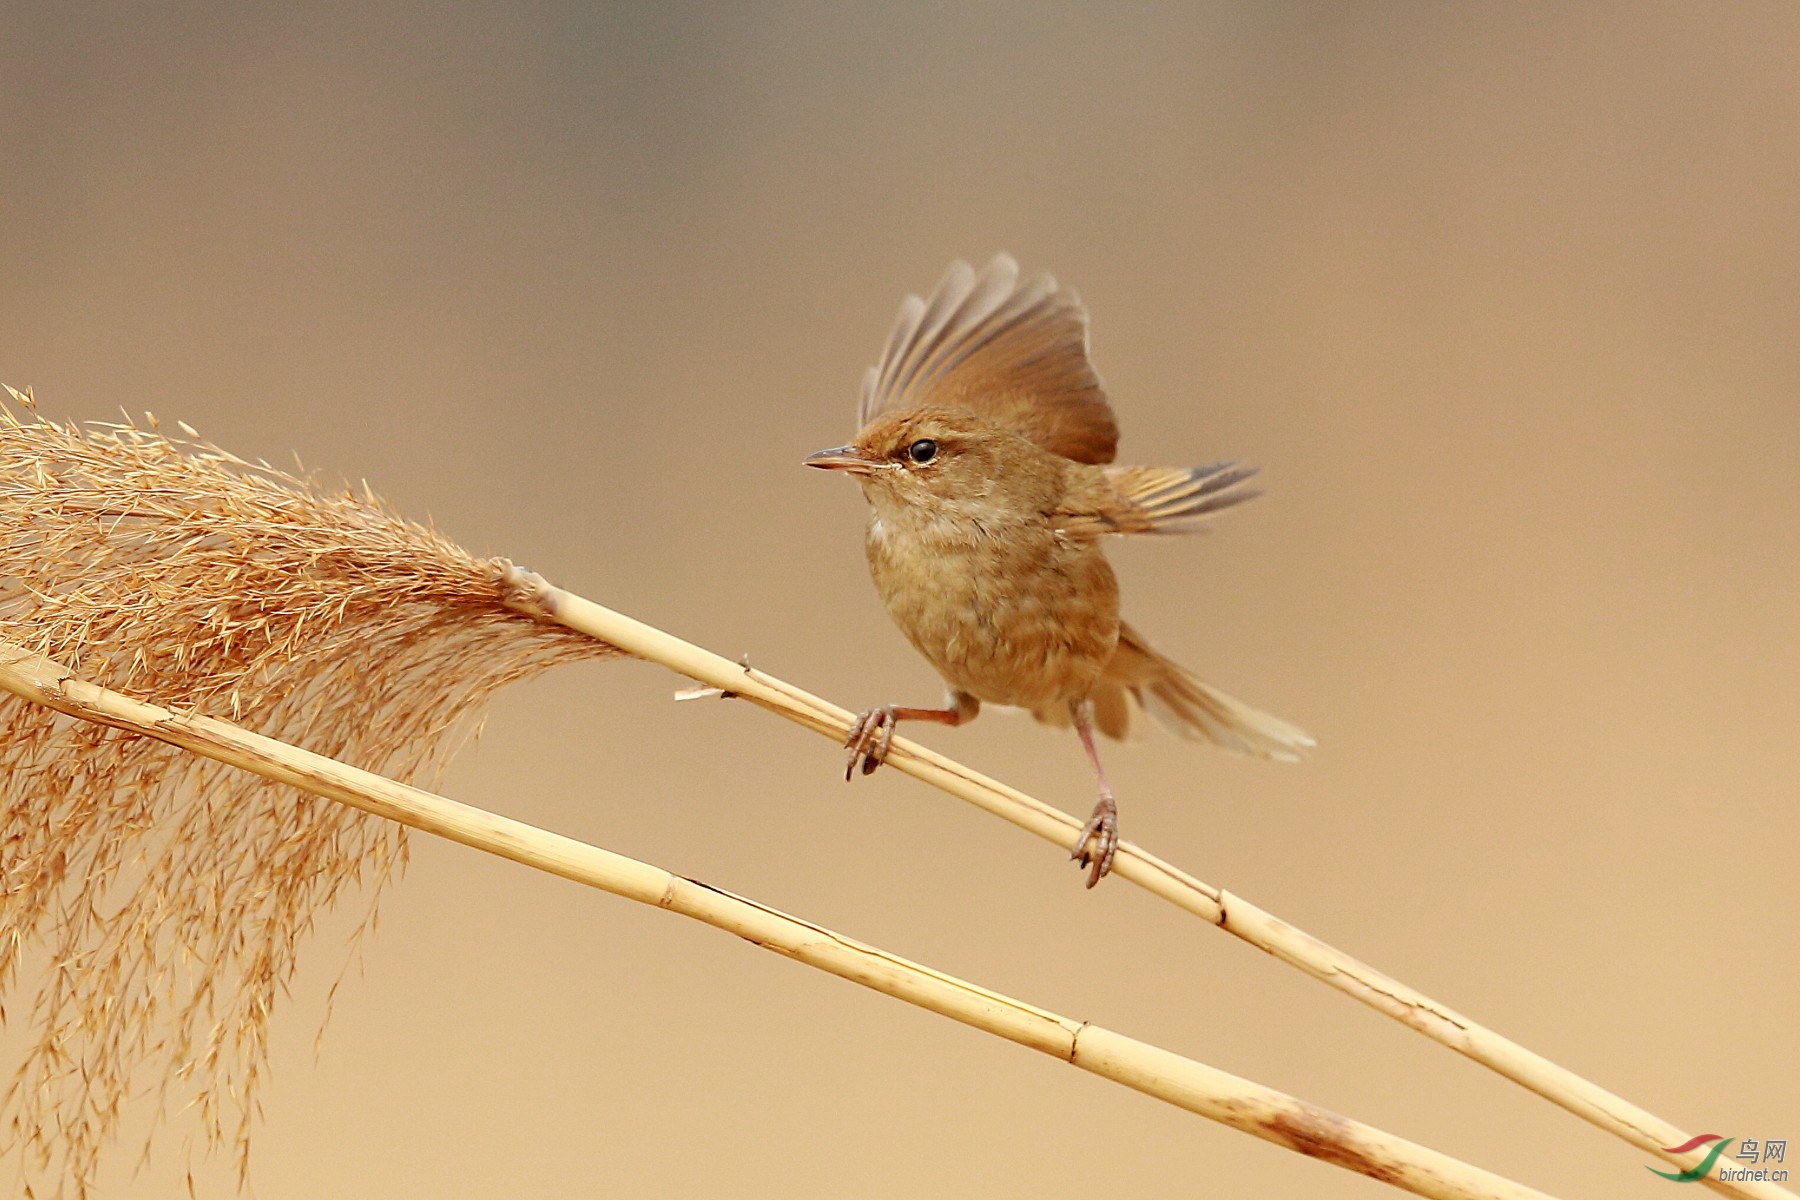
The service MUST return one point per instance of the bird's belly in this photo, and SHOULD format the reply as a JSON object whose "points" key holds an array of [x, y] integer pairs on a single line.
{"points": [[1028, 621]]}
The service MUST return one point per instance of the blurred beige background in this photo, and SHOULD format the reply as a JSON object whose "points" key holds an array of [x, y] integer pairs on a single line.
{"points": [[1504, 298]]}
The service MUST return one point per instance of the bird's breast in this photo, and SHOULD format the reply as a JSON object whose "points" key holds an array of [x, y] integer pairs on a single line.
{"points": [[1010, 613]]}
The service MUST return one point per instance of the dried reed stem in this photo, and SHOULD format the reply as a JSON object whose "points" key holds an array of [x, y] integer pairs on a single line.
{"points": [[1224, 909], [1217, 1095]]}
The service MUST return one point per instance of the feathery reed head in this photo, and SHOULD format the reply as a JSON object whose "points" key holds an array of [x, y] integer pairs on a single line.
{"points": [[156, 900]]}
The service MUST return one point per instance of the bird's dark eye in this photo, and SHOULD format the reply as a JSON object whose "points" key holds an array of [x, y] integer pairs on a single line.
{"points": [[922, 451]]}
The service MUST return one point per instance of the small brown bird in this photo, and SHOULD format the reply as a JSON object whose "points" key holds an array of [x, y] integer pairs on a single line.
{"points": [[982, 453]]}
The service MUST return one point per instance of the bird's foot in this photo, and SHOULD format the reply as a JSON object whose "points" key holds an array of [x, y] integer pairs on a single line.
{"points": [[1102, 830], [870, 736]]}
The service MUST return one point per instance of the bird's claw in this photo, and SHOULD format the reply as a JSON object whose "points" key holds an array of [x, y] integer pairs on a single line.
{"points": [[1102, 830], [870, 736]]}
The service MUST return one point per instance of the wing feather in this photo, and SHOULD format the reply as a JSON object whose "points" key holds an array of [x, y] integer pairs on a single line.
{"points": [[1154, 499], [1014, 354], [940, 318], [1176, 499], [906, 326], [965, 324]]}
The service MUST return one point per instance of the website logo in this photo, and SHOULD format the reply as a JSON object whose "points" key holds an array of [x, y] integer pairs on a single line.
{"points": [[1750, 1151]]}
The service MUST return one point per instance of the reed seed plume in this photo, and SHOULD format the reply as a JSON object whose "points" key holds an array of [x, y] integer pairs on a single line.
{"points": [[153, 902]]}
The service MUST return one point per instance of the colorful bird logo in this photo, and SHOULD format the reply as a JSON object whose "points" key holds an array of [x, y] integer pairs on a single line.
{"points": [[1699, 1170]]}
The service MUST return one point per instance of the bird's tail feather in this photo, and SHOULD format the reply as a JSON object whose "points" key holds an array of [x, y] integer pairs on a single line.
{"points": [[1139, 677]]}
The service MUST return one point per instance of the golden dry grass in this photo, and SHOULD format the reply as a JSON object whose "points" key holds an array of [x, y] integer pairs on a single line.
{"points": [[156, 901]]}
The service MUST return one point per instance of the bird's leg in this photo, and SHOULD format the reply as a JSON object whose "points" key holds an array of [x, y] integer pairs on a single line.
{"points": [[1102, 829], [873, 732]]}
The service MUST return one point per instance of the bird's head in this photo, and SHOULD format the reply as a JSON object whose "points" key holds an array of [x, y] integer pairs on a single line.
{"points": [[947, 460]]}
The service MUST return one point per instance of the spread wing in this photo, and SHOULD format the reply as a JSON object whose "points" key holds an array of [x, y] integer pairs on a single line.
{"points": [[1012, 353], [1153, 499]]}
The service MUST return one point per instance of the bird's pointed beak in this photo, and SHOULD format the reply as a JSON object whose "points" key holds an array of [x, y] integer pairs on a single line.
{"points": [[840, 458]]}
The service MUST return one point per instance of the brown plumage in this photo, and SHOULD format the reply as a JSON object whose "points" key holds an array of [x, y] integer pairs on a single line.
{"points": [[984, 454]]}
